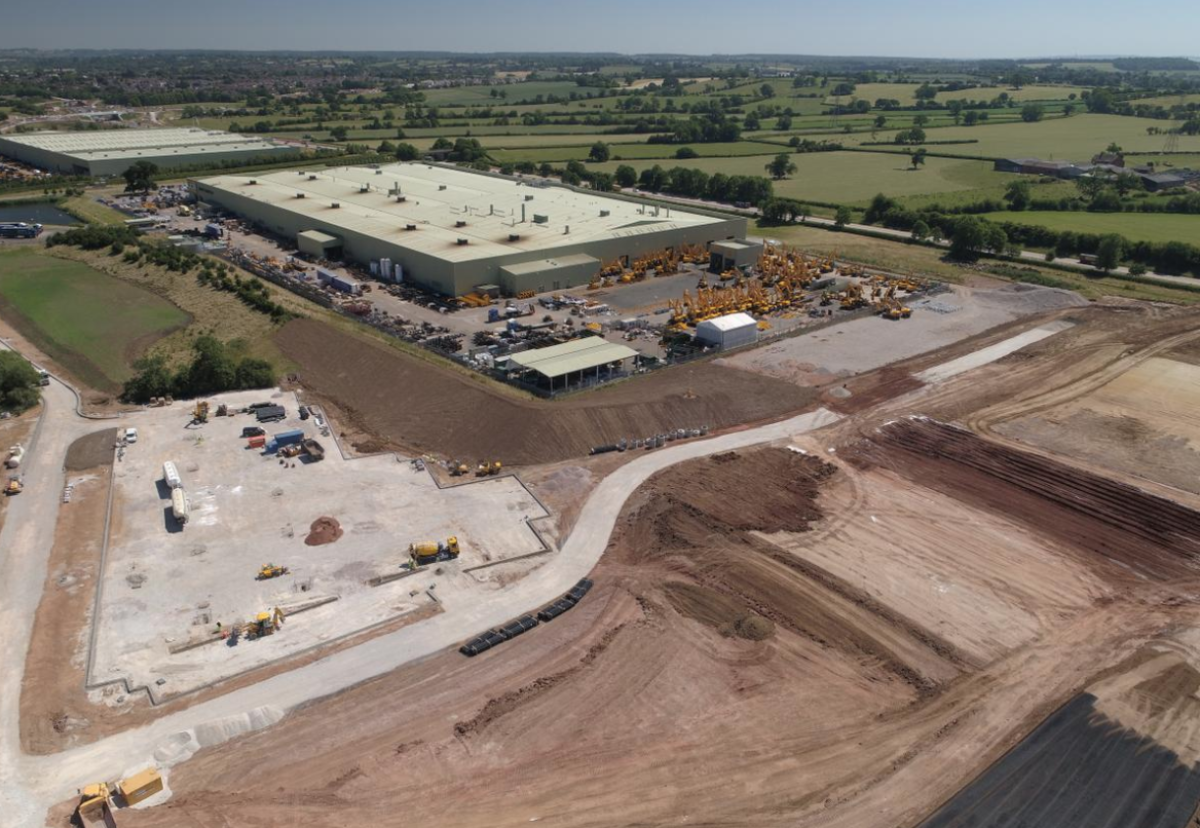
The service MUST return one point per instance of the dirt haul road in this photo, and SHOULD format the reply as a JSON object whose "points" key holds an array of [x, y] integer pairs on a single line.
{"points": [[32, 784]]}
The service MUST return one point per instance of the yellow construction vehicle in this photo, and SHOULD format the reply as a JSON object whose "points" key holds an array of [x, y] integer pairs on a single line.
{"points": [[427, 552], [270, 570], [200, 412], [457, 469], [98, 801], [486, 469], [264, 624], [14, 486]]}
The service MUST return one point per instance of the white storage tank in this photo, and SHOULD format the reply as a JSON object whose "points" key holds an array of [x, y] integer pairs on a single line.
{"points": [[179, 506], [730, 331], [171, 476]]}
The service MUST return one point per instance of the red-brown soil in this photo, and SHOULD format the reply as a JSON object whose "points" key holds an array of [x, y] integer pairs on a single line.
{"points": [[323, 530], [423, 407], [1119, 528]]}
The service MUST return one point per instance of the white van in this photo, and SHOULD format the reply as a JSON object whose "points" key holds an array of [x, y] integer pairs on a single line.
{"points": [[131, 435]]}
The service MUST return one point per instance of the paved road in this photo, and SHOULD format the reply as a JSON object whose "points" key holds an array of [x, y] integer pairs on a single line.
{"points": [[25, 544], [33, 783]]}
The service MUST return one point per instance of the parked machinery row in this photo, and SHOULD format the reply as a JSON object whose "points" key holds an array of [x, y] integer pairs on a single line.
{"points": [[525, 623]]}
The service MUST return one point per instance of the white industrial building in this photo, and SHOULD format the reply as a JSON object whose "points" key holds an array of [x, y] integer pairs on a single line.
{"points": [[452, 230], [730, 331], [112, 151]]}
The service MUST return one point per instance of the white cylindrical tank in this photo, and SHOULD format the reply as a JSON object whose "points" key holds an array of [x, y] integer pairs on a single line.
{"points": [[15, 455], [179, 505], [171, 476]]}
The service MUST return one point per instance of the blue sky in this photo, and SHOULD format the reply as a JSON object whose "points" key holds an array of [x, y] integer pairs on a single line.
{"points": [[933, 28]]}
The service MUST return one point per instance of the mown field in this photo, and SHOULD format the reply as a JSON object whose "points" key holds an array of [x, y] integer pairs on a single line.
{"points": [[1077, 138], [849, 177], [635, 151], [1151, 227], [92, 324], [905, 93]]}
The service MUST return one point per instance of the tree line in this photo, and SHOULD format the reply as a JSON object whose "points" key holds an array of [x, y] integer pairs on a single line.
{"points": [[211, 370]]}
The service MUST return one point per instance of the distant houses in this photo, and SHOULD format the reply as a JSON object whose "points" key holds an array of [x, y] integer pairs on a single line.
{"points": [[1105, 164]]}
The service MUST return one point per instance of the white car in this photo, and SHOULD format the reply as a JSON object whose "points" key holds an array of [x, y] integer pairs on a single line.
{"points": [[131, 435]]}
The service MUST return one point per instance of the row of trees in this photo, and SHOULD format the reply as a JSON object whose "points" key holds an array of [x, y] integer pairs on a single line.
{"points": [[693, 183], [971, 237], [18, 383], [125, 242], [212, 370]]}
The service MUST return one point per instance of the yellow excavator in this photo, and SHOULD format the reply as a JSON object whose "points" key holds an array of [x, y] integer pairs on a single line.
{"points": [[486, 469], [270, 570], [200, 413], [97, 802], [14, 486], [264, 624]]}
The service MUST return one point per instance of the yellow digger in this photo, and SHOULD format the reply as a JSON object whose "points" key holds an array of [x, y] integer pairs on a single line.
{"points": [[270, 570], [264, 624], [14, 486], [97, 801]]}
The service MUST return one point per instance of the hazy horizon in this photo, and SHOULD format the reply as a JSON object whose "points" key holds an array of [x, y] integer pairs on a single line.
{"points": [[1020, 29]]}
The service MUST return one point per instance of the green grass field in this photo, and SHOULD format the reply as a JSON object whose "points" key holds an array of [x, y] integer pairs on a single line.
{"points": [[850, 177], [1065, 139], [905, 93], [1151, 227], [91, 211], [94, 325], [557, 155]]}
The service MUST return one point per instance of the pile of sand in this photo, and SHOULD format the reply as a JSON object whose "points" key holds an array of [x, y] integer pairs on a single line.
{"points": [[323, 530]]}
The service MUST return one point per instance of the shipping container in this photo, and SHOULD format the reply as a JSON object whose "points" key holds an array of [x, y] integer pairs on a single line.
{"points": [[285, 438], [257, 442], [171, 476]]}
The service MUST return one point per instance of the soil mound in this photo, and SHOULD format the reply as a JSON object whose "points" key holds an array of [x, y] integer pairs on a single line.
{"points": [[323, 530], [92, 450], [458, 416]]}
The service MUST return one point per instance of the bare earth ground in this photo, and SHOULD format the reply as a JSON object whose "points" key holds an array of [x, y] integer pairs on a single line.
{"points": [[53, 704], [777, 639], [709, 649], [415, 406]]}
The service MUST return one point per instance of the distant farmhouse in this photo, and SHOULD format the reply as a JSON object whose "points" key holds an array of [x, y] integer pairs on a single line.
{"points": [[1104, 164]]}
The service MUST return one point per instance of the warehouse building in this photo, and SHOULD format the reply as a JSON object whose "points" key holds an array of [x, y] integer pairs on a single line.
{"points": [[112, 151], [451, 230], [726, 332]]}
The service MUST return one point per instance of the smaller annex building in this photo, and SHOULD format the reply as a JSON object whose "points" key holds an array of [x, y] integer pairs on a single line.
{"points": [[730, 331], [557, 367], [112, 151]]}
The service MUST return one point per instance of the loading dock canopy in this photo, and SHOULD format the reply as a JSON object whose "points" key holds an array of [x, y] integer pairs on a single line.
{"points": [[315, 243], [569, 357]]}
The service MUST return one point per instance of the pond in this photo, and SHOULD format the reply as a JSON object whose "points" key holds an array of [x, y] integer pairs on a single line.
{"points": [[36, 214]]}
